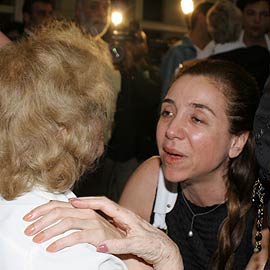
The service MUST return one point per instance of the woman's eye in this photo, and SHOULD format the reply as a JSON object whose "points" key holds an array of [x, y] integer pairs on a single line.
{"points": [[166, 113], [196, 120]]}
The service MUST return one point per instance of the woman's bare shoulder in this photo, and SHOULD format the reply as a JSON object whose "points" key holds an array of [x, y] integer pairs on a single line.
{"points": [[139, 192], [149, 167]]}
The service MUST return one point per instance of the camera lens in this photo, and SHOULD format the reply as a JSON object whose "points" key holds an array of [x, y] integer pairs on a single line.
{"points": [[118, 53]]}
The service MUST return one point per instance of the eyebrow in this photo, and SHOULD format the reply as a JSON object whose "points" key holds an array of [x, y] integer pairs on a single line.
{"points": [[204, 107], [194, 105], [168, 100]]}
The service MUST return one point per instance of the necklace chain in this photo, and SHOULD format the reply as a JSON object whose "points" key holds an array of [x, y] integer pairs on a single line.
{"points": [[190, 232]]}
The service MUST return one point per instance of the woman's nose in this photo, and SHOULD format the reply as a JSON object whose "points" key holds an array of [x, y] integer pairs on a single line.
{"points": [[176, 129]]}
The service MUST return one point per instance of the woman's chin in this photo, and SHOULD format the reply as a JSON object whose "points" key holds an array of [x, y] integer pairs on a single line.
{"points": [[172, 176]]}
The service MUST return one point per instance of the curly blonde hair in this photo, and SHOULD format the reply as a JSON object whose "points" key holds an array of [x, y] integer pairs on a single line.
{"points": [[57, 100]]}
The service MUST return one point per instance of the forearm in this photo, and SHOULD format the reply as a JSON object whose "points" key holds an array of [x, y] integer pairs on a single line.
{"points": [[135, 263], [171, 259]]}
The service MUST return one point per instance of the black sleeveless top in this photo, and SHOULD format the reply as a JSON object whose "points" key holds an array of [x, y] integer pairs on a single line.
{"points": [[198, 250]]}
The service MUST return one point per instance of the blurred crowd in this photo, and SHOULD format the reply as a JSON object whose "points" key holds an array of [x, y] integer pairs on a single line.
{"points": [[223, 29]]}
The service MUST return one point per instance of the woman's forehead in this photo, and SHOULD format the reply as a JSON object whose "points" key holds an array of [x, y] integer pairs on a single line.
{"points": [[197, 89]]}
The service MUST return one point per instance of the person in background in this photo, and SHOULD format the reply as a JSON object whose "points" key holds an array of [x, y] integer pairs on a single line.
{"points": [[256, 22], [262, 137], [133, 135], [57, 100], [224, 22], [93, 16], [35, 13], [13, 30], [204, 204], [196, 42], [137, 52], [262, 133]]}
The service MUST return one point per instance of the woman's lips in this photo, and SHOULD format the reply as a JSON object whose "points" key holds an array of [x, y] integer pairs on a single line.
{"points": [[172, 155]]}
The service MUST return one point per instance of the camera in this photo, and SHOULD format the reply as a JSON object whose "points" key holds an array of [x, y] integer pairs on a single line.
{"points": [[117, 44]]}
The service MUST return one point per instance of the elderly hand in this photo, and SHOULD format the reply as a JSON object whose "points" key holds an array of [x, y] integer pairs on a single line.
{"points": [[140, 238], [89, 225], [126, 233]]}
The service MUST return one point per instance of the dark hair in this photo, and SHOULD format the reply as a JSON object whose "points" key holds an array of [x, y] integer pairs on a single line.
{"points": [[243, 3], [242, 94], [203, 8], [27, 5]]}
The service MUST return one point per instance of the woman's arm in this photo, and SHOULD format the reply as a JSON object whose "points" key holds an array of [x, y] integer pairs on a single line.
{"points": [[139, 192]]}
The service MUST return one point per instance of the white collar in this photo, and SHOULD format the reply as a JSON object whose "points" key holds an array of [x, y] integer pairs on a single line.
{"points": [[229, 46], [206, 51]]}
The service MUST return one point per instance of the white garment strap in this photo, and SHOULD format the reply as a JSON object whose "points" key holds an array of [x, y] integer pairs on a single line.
{"points": [[165, 199]]}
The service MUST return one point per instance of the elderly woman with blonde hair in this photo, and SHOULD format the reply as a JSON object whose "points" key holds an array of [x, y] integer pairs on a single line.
{"points": [[57, 99]]}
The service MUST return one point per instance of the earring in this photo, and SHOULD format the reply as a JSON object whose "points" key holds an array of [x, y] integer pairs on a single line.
{"points": [[258, 200]]}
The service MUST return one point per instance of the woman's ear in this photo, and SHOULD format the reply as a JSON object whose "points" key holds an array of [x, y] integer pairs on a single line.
{"points": [[238, 143]]}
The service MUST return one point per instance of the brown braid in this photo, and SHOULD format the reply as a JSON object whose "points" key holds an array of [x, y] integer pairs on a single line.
{"points": [[238, 203], [230, 235]]}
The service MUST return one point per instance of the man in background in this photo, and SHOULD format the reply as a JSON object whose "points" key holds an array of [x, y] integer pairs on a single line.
{"points": [[36, 12], [256, 22], [93, 16], [196, 42]]}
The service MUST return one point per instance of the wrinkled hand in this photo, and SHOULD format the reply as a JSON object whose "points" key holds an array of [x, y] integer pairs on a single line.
{"points": [[91, 227], [140, 237]]}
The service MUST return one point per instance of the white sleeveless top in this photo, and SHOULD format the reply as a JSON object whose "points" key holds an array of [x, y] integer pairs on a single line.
{"points": [[166, 196]]}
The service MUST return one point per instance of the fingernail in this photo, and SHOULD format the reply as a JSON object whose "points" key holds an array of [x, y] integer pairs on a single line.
{"points": [[38, 238], [28, 217], [51, 248], [73, 199], [102, 248], [30, 230]]}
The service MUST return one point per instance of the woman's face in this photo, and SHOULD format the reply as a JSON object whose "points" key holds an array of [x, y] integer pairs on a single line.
{"points": [[193, 131]]}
